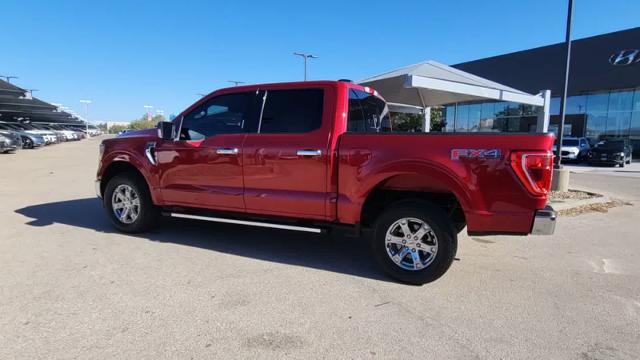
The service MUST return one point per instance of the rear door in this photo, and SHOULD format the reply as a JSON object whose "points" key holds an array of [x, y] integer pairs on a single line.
{"points": [[204, 167], [285, 159]]}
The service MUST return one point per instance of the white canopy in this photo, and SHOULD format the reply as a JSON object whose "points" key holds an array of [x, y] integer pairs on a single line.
{"points": [[431, 83]]}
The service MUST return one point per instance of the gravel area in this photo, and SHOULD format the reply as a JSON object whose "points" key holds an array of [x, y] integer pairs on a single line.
{"points": [[572, 195]]}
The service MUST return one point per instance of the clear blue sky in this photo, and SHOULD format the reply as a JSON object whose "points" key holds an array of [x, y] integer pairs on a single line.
{"points": [[125, 54]]}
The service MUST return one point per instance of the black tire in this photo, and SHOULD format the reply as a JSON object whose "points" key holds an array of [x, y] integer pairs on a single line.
{"points": [[629, 160], [442, 228], [27, 144], [622, 163], [148, 213]]}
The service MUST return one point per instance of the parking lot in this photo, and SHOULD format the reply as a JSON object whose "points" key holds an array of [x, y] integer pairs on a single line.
{"points": [[72, 287]]}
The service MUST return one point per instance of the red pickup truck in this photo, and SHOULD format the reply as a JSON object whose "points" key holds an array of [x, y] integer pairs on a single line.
{"points": [[321, 155]]}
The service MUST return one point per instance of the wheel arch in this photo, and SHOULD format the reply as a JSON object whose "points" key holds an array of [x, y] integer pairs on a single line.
{"points": [[439, 191], [120, 167]]}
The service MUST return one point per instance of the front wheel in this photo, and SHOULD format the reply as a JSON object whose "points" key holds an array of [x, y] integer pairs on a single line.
{"points": [[629, 161], [128, 204], [414, 242]]}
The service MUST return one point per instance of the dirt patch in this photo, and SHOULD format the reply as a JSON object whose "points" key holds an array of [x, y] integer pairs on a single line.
{"points": [[560, 196], [602, 207]]}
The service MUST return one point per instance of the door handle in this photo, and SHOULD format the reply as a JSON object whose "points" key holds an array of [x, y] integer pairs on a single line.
{"points": [[307, 152], [227, 151]]}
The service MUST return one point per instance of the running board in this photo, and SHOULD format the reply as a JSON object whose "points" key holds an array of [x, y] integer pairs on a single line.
{"points": [[248, 223]]}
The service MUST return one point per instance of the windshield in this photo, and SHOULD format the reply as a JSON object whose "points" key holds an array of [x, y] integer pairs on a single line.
{"points": [[611, 144], [570, 142]]}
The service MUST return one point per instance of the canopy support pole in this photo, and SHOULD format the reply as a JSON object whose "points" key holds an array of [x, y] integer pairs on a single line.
{"points": [[542, 125], [426, 113]]}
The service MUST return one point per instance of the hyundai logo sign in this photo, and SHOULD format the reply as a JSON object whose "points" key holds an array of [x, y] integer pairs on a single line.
{"points": [[625, 57]]}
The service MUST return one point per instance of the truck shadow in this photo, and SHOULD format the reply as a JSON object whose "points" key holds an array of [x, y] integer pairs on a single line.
{"points": [[333, 253]]}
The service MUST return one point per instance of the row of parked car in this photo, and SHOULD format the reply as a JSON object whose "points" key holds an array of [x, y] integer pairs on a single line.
{"points": [[14, 136], [609, 151]]}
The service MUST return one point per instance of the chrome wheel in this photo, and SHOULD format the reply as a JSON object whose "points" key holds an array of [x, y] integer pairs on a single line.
{"points": [[411, 244], [125, 203]]}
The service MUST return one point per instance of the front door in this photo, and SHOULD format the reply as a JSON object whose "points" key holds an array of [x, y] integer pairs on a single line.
{"points": [[285, 159], [204, 167]]}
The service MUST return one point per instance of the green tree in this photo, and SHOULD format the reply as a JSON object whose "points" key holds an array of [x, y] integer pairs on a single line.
{"points": [[145, 123], [114, 129]]}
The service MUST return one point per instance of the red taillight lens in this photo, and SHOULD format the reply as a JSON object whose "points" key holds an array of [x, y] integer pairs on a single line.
{"points": [[534, 169]]}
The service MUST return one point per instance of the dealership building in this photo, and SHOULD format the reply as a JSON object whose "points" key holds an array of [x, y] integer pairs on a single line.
{"points": [[603, 93]]}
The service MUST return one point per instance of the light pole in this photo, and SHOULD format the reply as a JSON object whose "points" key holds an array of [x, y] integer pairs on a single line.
{"points": [[31, 91], [148, 107], [86, 114], [235, 83], [305, 57], [8, 78], [563, 99]]}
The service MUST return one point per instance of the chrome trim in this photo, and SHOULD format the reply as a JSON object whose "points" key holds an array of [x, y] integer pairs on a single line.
{"points": [[149, 151], [307, 152], [227, 151], [97, 187], [249, 223], [411, 244], [544, 222]]}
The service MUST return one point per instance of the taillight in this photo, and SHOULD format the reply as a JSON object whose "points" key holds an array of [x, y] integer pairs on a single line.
{"points": [[534, 169]]}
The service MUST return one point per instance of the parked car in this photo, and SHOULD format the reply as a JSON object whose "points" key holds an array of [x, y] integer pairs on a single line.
{"points": [[321, 156], [124, 131], [29, 140], [573, 149], [49, 137], [9, 142], [612, 151]]}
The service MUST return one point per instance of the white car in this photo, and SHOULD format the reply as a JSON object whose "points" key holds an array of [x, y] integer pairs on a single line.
{"points": [[573, 149]]}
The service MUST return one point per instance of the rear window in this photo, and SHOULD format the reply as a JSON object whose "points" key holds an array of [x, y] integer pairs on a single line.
{"points": [[292, 111], [367, 113]]}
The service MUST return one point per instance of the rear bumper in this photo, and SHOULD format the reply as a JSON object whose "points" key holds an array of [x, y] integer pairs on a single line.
{"points": [[544, 222]]}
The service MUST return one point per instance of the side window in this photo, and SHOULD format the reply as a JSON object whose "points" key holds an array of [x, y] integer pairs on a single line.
{"points": [[224, 114], [373, 115], [292, 111], [355, 119]]}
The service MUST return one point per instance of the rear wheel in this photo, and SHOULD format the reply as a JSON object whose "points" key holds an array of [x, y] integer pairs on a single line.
{"points": [[414, 242], [128, 204]]}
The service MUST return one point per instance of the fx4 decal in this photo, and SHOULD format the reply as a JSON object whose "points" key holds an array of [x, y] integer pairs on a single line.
{"points": [[456, 154]]}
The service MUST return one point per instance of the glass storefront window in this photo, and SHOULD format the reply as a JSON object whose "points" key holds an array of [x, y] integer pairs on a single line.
{"points": [[462, 118], [474, 117], [576, 104], [554, 106], [513, 109], [598, 102], [596, 125], [501, 109], [488, 110], [636, 100], [450, 115], [621, 101], [618, 123]]}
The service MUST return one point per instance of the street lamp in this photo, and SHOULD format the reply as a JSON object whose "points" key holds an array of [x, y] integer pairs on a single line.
{"points": [[305, 57], [8, 78], [236, 83], [86, 115], [31, 91], [148, 107]]}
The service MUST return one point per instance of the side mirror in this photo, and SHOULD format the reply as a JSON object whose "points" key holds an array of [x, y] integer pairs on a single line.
{"points": [[166, 130]]}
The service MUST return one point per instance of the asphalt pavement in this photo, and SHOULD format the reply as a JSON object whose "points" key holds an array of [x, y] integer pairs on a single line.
{"points": [[71, 287]]}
